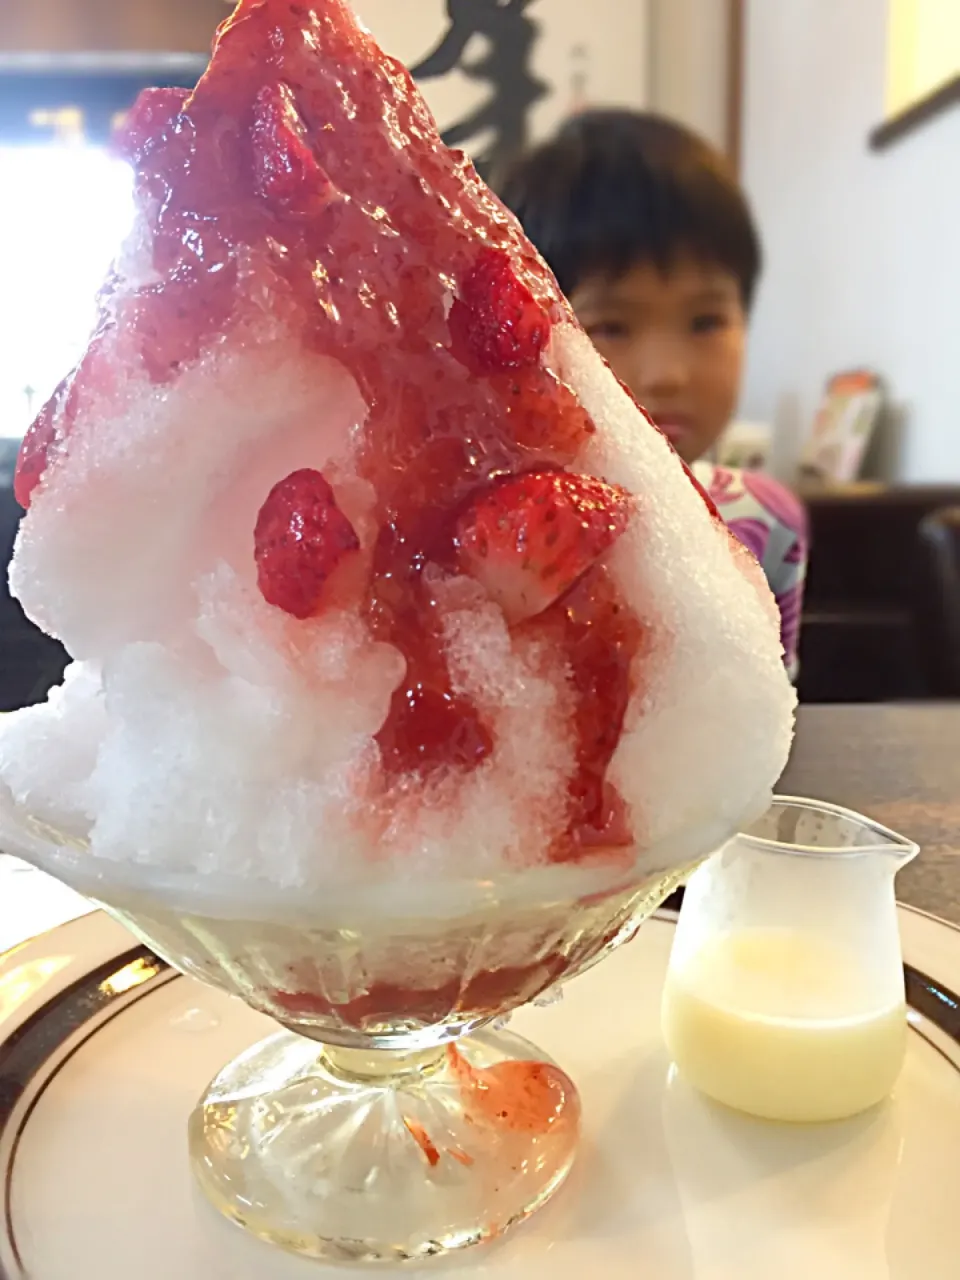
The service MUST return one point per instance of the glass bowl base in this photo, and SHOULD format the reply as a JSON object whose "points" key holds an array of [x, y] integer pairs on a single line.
{"points": [[382, 1156]]}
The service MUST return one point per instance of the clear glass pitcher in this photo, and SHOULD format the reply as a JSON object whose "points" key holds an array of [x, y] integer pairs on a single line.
{"points": [[785, 995]]}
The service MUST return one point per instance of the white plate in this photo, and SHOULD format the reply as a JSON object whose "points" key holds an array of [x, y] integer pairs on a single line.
{"points": [[104, 1050], [32, 902]]}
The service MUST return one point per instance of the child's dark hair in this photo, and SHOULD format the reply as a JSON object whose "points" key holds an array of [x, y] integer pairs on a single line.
{"points": [[617, 188]]}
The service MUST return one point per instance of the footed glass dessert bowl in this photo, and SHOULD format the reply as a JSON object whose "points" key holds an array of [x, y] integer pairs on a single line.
{"points": [[391, 1118]]}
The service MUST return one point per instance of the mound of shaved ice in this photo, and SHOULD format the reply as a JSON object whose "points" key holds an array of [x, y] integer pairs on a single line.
{"points": [[266, 517]]}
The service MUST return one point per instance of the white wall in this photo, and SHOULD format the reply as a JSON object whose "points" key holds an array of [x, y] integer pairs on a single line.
{"points": [[690, 63], [605, 40], [863, 246]]}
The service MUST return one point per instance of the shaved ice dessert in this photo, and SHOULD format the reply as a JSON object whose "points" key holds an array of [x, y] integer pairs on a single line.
{"points": [[411, 667], [371, 570], [386, 600]]}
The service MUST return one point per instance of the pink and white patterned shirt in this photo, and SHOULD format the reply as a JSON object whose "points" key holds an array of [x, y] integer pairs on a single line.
{"points": [[772, 524]]}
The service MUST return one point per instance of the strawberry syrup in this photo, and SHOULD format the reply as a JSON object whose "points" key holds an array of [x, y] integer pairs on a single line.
{"points": [[305, 177]]}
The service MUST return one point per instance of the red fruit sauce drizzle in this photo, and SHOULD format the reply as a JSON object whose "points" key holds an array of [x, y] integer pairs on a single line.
{"points": [[307, 156], [488, 992], [533, 1099], [484, 994], [423, 1140], [528, 1097]]}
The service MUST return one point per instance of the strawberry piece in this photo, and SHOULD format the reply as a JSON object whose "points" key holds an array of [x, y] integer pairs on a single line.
{"points": [[543, 415], [532, 538], [286, 171], [301, 537], [496, 323], [149, 123]]}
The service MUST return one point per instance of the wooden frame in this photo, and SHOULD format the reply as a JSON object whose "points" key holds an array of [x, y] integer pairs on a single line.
{"points": [[736, 67], [917, 114]]}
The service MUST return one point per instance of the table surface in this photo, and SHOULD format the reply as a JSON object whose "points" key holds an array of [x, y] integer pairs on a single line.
{"points": [[899, 764]]}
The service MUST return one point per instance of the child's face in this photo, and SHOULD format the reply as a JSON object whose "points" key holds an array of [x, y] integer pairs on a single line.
{"points": [[677, 340]]}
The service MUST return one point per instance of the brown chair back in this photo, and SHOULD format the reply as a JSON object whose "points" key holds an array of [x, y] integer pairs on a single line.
{"points": [[940, 539], [867, 629]]}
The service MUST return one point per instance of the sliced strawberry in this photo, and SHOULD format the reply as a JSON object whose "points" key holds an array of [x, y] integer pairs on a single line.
{"points": [[531, 538], [301, 537], [543, 415], [149, 122], [286, 171], [496, 323]]}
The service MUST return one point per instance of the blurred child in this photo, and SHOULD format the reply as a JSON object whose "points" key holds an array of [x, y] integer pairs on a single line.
{"points": [[653, 242]]}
